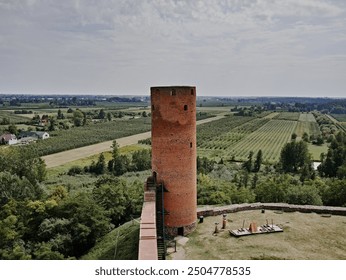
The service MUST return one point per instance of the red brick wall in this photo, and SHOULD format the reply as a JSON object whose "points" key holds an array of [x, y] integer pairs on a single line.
{"points": [[174, 152]]}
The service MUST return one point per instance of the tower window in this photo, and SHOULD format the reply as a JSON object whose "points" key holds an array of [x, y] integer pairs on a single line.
{"points": [[173, 93], [152, 107], [191, 91], [190, 144], [185, 107]]}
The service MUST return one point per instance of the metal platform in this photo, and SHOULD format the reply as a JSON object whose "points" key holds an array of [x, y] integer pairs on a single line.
{"points": [[258, 230]]}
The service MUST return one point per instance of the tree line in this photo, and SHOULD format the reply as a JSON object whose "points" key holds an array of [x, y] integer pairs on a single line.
{"points": [[41, 223]]}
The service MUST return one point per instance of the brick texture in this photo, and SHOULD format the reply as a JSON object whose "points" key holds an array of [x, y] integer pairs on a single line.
{"points": [[174, 153]]}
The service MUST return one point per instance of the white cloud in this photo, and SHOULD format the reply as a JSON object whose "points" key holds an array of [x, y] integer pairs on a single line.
{"points": [[48, 45]]}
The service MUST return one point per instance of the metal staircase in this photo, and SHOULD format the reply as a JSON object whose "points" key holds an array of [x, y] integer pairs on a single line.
{"points": [[160, 222], [152, 185]]}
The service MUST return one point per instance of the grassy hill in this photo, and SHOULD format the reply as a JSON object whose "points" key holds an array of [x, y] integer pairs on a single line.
{"points": [[120, 244]]}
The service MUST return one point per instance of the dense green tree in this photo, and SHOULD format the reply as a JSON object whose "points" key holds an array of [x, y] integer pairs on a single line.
{"points": [[121, 165], [14, 187], [12, 128], [215, 191], [99, 167], [88, 222], [109, 116], [303, 195], [247, 165], [294, 156], [45, 251], [258, 161], [333, 163], [111, 194], [122, 200], [141, 160], [115, 149], [335, 193], [305, 137], [204, 165], [60, 115], [78, 118], [270, 191], [102, 114]]}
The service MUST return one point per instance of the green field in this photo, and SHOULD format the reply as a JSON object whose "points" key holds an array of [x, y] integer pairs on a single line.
{"points": [[290, 116], [63, 140], [235, 137], [270, 138], [339, 117], [307, 124], [14, 118]]}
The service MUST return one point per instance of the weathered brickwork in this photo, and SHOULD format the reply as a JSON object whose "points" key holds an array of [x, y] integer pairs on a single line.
{"points": [[174, 153]]}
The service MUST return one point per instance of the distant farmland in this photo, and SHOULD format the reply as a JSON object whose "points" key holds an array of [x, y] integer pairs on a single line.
{"points": [[235, 137]]}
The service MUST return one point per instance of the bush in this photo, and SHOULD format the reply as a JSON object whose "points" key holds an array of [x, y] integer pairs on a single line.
{"points": [[74, 170]]}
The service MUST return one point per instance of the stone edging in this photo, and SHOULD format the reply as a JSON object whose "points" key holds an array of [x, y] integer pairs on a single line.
{"points": [[285, 207]]}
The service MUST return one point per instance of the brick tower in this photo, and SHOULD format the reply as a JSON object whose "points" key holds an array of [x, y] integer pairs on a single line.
{"points": [[173, 137]]}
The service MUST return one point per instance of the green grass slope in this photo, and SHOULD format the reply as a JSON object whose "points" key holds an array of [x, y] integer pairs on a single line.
{"points": [[120, 244]]}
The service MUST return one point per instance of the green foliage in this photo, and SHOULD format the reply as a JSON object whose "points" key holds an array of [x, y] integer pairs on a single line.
{"points": [[74, 170], [204, 165], [335, 193], [78, 118], [111, 194], [75, 137], [20, 175], [87, 222], [23, 163], [14, 187], [120, 244], [303, 195], [141, 160], [286, 188], [334, 163], [99, 167], [271, 191], [119, 199], [294, 156], [258, 161], [247, 165], [102, 114], [215, 191], [145, 141], [120, 164]]}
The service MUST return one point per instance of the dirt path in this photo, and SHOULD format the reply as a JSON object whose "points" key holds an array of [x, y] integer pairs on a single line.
{"points": [[61, 158]]}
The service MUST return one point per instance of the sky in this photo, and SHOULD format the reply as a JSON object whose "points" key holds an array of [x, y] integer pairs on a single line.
{"points": [[223, 47]]}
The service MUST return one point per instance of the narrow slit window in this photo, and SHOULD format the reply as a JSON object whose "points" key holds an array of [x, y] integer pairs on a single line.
{"points": [[191, 91], [190, 144], [173, 92], [152, 107], [185, 107]]}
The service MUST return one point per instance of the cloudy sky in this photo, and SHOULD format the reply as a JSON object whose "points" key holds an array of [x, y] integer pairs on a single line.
{"points": [[223, 47]]}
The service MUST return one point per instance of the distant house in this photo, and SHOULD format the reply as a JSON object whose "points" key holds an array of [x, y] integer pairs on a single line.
{"points": [[42, 134], [8, 138], [29, 136]]}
